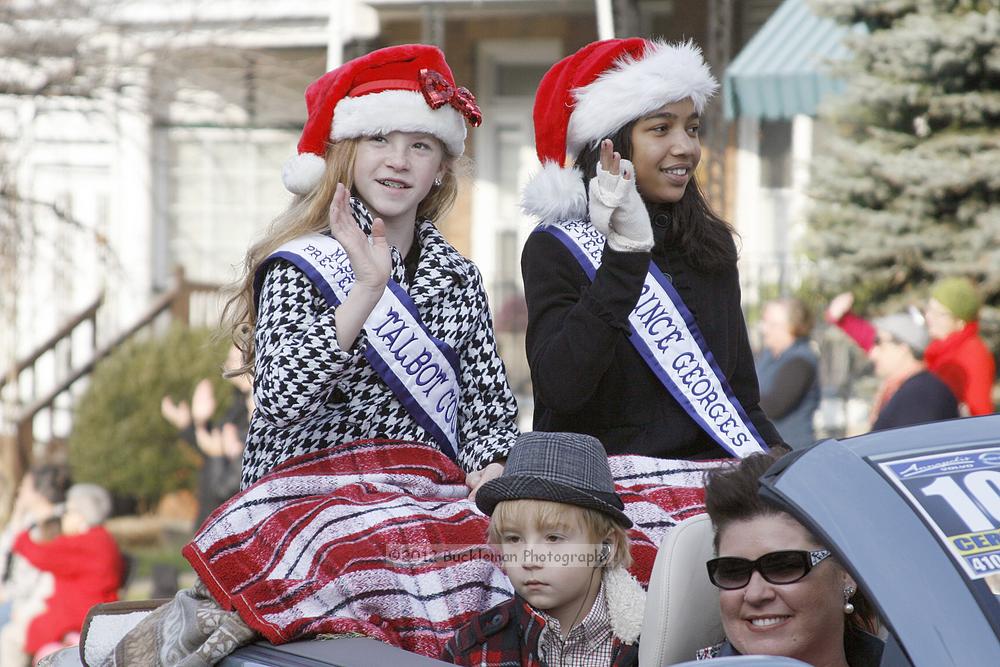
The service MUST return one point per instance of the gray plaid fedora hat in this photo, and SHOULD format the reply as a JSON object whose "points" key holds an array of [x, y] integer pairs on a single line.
{"points": [[561, 467]]}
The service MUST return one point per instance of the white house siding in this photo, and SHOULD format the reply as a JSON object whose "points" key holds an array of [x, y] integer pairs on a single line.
{"points": [[771, 217], [224, 128], [139, 212], [178, 166], [64, 155]]}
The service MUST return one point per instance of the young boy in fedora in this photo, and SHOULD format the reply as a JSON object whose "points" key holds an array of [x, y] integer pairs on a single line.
{"points": [[560, 531]]}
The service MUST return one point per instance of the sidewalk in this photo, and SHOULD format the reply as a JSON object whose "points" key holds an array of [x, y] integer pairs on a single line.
{"points": [[152, 545]]}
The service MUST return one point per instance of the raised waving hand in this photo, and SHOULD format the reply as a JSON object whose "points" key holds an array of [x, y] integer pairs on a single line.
{"points": [[371, 257], [371, 260], [616, 208]]}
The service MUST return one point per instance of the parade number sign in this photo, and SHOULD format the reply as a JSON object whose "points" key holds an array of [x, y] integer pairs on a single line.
{"points": [[958, 493]]}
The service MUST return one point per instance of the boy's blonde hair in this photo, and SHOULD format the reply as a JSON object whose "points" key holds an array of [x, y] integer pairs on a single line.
{"points": [[599, 527]]}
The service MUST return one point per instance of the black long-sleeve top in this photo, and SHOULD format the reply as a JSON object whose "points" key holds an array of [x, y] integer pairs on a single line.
{"points": [[922, 398], [587, 376]]}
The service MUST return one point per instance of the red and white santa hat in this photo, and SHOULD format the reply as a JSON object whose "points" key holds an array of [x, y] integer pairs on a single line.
{"points": [[590, 95], [407, 88]]}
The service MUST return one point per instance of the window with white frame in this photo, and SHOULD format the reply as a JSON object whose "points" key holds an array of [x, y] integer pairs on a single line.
{"points": [[224, 187], [508, 75], [228, 119], [776, 153]]}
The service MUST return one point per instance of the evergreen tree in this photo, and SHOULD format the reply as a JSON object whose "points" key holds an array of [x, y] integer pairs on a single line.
{"points": [[120, 440], [908, 187]]}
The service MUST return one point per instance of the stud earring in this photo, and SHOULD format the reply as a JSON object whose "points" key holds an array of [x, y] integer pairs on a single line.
{"points": [[848, 607], [438, 181]]}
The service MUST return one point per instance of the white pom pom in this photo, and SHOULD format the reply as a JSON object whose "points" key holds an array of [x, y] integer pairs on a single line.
{"points": [[555, 194], [303, 172]]}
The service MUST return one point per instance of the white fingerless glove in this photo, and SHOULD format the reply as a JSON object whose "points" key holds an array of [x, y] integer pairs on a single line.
{"points": [[618, 212]]}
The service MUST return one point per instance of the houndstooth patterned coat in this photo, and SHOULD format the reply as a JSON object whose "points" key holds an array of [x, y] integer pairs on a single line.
{"points": [[310, 394]]}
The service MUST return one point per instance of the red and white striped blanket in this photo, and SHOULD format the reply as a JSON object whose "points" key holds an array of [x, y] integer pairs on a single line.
{"points": [[377, 537]]}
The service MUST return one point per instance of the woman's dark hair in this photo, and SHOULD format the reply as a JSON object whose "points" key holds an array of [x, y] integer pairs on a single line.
{"points": [[731, 495], [51, 481], [705, 239]]}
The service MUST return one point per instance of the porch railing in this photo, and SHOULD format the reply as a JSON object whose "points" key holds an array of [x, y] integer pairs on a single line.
{"points": [[27, 402]]}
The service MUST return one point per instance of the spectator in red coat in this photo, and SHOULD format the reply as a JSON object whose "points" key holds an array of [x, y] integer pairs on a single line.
{"points": [[40, 501], [85, 563], [956, 354]]}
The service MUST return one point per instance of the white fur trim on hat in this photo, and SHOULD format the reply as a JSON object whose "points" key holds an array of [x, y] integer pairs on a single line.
{"points": [[398, 111], [634, 88], [554, 194], [303, 172]]}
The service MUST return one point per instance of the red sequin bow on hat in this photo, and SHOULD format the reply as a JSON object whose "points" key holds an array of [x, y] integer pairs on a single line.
{"points": [[438, 92]]}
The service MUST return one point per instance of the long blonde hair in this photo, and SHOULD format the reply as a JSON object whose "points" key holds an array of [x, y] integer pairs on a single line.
{"points": [[309, 214]]}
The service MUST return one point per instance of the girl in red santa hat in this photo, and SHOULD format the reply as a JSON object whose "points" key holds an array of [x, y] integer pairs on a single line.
{"points": [[635, 331], [355, 316]]}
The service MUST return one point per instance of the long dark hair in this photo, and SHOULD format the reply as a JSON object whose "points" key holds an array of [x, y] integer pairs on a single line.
{"points": [[703, 237]]}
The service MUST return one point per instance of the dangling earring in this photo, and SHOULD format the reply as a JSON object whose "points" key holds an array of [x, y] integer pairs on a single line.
{"points": [[848, 607], [438, 182]]}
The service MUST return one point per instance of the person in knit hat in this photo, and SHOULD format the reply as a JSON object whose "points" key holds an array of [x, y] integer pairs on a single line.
{"points": [[355, 316], [956, 353], [909, 394], [635, 331], [959, 300], [560, 532]]}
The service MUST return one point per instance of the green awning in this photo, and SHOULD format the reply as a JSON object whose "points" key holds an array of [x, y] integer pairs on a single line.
{"points": [[781, 71]]}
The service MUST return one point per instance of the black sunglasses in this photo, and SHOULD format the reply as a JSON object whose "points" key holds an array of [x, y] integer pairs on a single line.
{"points": [[778, 567]]}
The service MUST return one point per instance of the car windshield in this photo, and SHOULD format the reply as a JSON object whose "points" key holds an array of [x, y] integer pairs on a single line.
{"points": [[957, 494]]}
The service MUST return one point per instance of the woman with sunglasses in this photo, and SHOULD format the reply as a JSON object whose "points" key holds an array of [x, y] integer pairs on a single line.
{"points": [[782, 592]]}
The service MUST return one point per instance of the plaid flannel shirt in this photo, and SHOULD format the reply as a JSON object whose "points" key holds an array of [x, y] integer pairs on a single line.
{"points": [[507, 636]]}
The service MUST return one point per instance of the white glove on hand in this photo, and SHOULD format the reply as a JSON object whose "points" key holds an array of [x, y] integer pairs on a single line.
{"points": [[618, 212]]}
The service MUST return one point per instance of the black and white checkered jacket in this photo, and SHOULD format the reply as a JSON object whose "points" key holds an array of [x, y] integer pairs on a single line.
{"points": [[310, 394]]}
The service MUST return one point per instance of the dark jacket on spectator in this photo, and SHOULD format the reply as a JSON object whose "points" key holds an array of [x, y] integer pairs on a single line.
{"points": [[922, 398], [789, 391]]}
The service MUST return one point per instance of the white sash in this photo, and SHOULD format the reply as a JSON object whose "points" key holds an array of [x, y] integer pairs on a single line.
{"points": [[422, 371], [665, 334]]}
